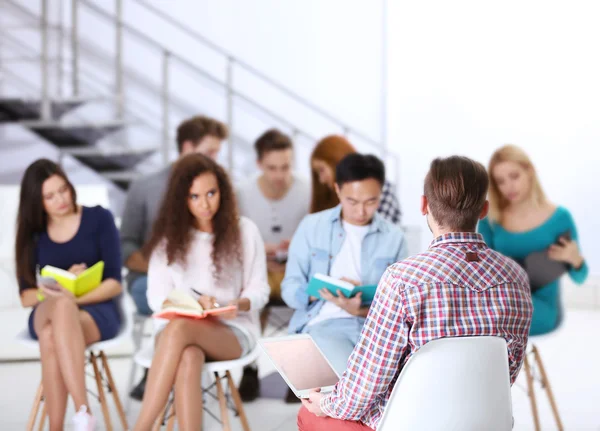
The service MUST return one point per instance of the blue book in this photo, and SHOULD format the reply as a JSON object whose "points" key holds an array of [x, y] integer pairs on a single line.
{"points": [[321, 281]]}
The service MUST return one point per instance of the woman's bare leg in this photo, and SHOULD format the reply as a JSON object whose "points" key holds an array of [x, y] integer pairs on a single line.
{"points": [[55, 391], [216, 340], [72, 330], [188, 389]]}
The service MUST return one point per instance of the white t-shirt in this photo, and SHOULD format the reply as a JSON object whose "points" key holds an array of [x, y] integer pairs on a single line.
{"points": [[277, 220], [346, 264]]}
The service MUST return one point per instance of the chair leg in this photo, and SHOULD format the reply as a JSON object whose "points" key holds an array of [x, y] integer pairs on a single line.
{"points": [[132, 371], [531, 393], [35, 408], [43, 417], [222, 404], [546, 386], [101, 395], [237, 401], [113, 389]]}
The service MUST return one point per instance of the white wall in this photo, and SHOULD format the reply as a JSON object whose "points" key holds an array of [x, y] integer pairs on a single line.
{"points": [[328, 51], [466, 77]]}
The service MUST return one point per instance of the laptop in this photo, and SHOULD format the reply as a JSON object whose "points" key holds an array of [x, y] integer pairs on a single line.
{"points": [[301, 363]]}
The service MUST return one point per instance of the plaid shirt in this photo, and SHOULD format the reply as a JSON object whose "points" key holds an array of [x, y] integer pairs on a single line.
{"points": [[389, 208], [459, 287]]}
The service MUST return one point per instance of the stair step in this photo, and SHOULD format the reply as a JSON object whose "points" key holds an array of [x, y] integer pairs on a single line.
{"points": [[73, 135], [17, 110], [110, 162], [122, 179]]}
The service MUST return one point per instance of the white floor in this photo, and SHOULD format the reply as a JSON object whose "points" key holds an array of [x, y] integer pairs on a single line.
{"points": [[571, 357]]}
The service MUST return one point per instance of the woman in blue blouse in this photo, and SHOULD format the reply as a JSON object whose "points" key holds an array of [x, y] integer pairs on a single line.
{"points": [[53, 230], [522, 221]]}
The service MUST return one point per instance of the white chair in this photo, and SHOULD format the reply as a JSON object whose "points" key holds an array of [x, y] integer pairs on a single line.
{"points": [[220, 370], [102, 374], [460, 383]]}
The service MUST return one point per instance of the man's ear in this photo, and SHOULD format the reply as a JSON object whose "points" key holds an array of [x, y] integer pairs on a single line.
{"points": [[187, 147], [485, 210], [338, 191], [424, 205]]}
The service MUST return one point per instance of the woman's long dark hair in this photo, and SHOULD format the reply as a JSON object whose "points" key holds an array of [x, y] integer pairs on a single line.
{"points": [[175, 223], [32, 219]]}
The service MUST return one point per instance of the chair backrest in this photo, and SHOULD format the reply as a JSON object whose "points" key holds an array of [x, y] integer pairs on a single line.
{"points": [[460, 383]]}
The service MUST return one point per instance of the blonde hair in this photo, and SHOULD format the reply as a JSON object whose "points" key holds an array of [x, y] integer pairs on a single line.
{"points": [[511, 153]]}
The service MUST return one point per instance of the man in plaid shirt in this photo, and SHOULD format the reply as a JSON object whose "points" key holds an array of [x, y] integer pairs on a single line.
{"points": [[458, 287]]}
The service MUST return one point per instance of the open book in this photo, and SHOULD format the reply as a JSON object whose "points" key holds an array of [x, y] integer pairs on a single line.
{"points": [[321, 281], [181, 304], [80, 284]]}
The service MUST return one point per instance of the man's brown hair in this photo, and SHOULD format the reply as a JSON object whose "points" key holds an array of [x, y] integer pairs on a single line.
{"points": [[197, 128], [272, 140], [456, 188]]}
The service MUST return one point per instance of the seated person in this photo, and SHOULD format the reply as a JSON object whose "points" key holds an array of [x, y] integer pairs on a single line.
{"points": [[458, 287], [350, 241], [326, 155], [201, 246], [276, 201], [195, 135], [522, 221], [53, 230]]}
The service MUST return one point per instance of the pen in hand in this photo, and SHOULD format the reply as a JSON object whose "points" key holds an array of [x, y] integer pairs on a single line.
{"points": [[215, 304]]}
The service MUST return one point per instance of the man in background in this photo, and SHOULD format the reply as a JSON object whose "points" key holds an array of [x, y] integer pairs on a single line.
{"points": [[277, 201]]}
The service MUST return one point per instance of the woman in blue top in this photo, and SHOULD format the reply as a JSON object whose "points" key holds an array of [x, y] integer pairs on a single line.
{"points": [[53, 230], [522, 221]]}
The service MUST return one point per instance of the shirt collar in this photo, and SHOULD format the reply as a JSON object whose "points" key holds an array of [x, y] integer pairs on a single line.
{"points": [[377, 224], [458, 238]]}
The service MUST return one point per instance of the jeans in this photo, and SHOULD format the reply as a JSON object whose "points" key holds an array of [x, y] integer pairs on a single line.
{"points": [[336, 338], [138, 293]]}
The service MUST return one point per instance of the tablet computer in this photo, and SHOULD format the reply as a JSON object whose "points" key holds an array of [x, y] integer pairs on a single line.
{"points": [[300, 363]]}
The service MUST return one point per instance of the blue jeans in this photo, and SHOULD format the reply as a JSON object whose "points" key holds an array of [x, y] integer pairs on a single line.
{"points": [[138, 293], [336, 338]]}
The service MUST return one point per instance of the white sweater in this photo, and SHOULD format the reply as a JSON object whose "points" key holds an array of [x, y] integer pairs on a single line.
{"points": [[249, 282]]}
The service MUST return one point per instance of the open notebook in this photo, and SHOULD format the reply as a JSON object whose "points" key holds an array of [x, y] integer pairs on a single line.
{"points": [[181, 304]]}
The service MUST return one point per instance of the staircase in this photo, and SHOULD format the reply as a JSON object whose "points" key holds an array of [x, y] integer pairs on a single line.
{"points": [[108, 122]]}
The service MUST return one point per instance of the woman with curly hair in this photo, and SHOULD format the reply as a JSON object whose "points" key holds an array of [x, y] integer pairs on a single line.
{"points": [[201, 246]]}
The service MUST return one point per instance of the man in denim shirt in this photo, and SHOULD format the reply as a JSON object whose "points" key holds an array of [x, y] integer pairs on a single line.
{"points": [[351, 242]]}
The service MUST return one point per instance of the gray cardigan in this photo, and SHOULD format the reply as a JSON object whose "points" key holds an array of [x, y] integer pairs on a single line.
{"points": [[141, 209]]}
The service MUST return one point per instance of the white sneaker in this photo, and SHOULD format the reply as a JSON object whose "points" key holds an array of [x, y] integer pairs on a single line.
{"points": [[83, 421]]}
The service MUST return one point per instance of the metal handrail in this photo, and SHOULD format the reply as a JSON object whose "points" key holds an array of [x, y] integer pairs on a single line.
{"points": [[168, 56], [195, 68], [228, 55]]}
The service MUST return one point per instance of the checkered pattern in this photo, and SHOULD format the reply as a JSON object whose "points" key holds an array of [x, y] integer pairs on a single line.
{"points": [[436, 294], [389, 208]]}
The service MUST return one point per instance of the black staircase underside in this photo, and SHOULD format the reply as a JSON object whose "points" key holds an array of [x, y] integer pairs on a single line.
{"points": [[15, 109], [113, 162], [73, 136]]}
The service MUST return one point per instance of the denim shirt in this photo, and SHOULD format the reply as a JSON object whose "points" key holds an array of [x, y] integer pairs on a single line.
{"points": [[315, 245]]}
